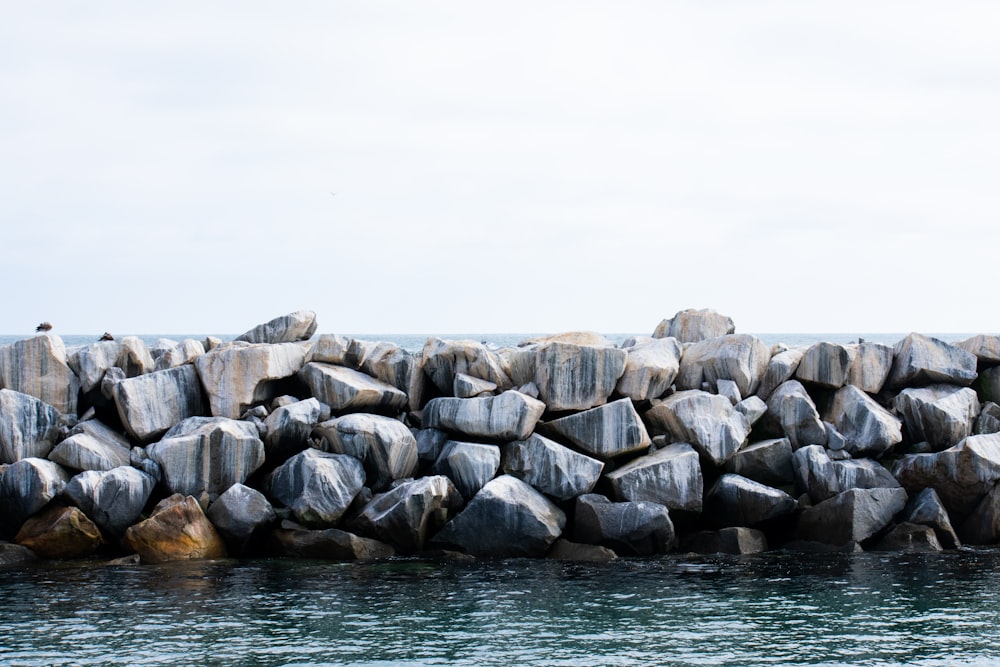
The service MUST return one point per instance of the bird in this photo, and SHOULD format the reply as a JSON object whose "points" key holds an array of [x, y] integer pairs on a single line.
{"points": [[107, 336], [44, 326]]}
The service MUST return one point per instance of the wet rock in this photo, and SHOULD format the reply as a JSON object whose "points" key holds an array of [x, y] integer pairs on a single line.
{"points": [[329, 544], [83, 451], [732, 540], [509, 416], [39, 367], [737, 501], [871, 367], [291, 328], [693, 325], [670, 477], [238, 376], [921, 360], [738, 357], [793, 410], [863, 474], [650, 368], [910, 537], [826, 365], [444, 359], [151, 404], [575, 552], [26, 487], [867, 427], [926, 509], [985, 348], [317, 486], [92, 361], [467, 386], [469, 465], [555, 470], [287, 428], [347, 390], [577, 377], [14, 555], [28, 426], [768, 462], [940, 414], [60, 533], [385, 446], [177, 529], [852, 516], [815, 473], [240, 515], [708, 422], [605, 432], [113, 499], [780, 369], [629, 528], [407, 515]]}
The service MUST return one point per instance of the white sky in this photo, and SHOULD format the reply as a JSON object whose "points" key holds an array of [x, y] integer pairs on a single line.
{"points": [[511, 166]]}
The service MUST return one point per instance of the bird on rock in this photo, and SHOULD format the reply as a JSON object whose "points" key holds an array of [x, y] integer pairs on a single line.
{"points": [[107, 336], [44, 326]]}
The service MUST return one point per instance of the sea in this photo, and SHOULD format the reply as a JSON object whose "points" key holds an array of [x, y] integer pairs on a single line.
{"points": [[777, 608]]}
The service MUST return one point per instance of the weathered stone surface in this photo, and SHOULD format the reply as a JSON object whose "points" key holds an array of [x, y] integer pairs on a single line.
{"points": [[134, 357], [39, 367], [910, 537], [291, 328], [989, 419], [986, 348], [14, 555], [391, 364], [177, 529], [443, 359], [184, 352], [815, 473], [941, 414], [926, 509], [410, 513], [729, 390], [385, 445], [780, 369], [577, 377], [670, 476], [345, 389], [826, 365], [580, 553], [871, 367], [90, 362], [768, 462], [238, 376], [506, 518], [708, 422], [863, 474], [793, 410], [113, 499], [469, 465], [555, 470], [987, 385], [922, 360], [753, 408], [28, 426], [430, 442], [329, 544], [509, 416], [738, 357], [207, 455], [467, 386], [317, 486], [83, 451], [60, 533], [605, 432], [287, 428], [629, 528], [737, 540], [26, 487], [240, 515], [852, 516], [983, 525], [151, 404], [867, 427], [737, 501], [693, 325], [650, 368]]}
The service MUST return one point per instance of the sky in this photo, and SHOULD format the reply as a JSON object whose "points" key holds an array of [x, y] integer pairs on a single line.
{"points": [[542, 166]]}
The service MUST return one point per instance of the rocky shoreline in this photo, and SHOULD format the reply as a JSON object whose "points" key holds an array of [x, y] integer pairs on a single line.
{"points": [[695, 439]]}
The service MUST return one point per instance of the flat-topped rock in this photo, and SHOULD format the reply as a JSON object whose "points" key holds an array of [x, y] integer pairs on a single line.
{"points": [[506, 417], [867, 427], [734, 540], [693, 325], [638, 528], [178, 354], [317, 486], [385, 445], [83, 451], [329, 544], [708, 422], [940, 414], [826, 365], [650, 368], [28, 426], [986, 348], [863, 474], [466, 386], [605, 432], [409, 514], [910, 537], [921, 360], [39, 367], [291, 328], [238, 376], [114, 498], [149, 405], [738, 357], [670, 477], [555, 470]]}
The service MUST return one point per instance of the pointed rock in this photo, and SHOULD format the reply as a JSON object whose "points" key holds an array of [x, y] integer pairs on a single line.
{"points": [[926, 509], [39, 367], [287, 429], [670, 477], [509, 416], [941, 414], [26, 487], [113, 499], [738, 357], [921, 360], [28, 426], [60, 533], [737, 501], [407, 515], [768, 462], [867, 427], [469, 465], [238, 376], [708, 422], [791, 407], [291, 328], [177, 529], [629, 528], [134, 357], [871, 367], [826, 365], [852, 516], [344, 389], [149, 405], [385, 445], [240, 515], [318, 487], [555, 470], [650, 368], [605, 432], [753, 408], [692, 325]]}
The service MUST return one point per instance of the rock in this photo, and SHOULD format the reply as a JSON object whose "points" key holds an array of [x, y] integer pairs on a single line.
{"points": [[177, 529], [925, 508], [691, 326], [737, 501], [988, 420], [180, 354], [768, 462], [863, 474], [151, 404], [577, 377], [240, 515], [385, 446], [444, 359], [708, 422], [113, 499], [987, 385], [39, 367], [90, 362], [985, 348], [287, 429], [28, 426], [871, 367], [347, 390], [467, 386], [670, 477], [791, 407], [407, 515], [738, 357], [317, 486], [291, 328], [575, 552], [111, 378], [921, 360], [14, 555], [852, 516], [780, 369], [207, 455], [386, 362], [729, 390], [509, 416], [238, 376], [60, 533], [867, 427], [826, 365], [650, 368], [83, 451], [469, 465], [630, 528], [815, 473], [26, 487], [836, 443], [733, 540], [983, 525], [134, 357], [909, 537], [555, 470], [507, 518], [606, 432], [430, 442], [940, 414], [329, 544]]}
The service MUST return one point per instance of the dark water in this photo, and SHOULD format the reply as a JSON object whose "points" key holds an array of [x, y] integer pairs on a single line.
{"points": [[863, 609]]}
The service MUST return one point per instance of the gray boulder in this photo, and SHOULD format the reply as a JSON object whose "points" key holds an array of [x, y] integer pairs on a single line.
{"points": [[737, 501], [509, 416], [768, 462], [287, 428], [84, 451], [408, 514], [90, 362], [693, 325], [39, 367], [826, 365], [241, 514], [430, 442], [384, 361], [650, 368], [26, 486], [28, 426], [317, 486], [629, 528], [735, 540], [986, 348], [151, 404], [184, 352], [852, 516], [469, 465], [925, 508], [113, 499], [291, 328], [385, 445], [941, 414], [921, 360], [708, 422], [670, 477], [863, 474], [605, 432], [793, 410], [555, 470], [780, 369], [293, 541], [738, 357], [577, 377], [753, 408], [467, 386], [867, 427], [348, 390], [134, 357], [444, 359], [506, 518], [238, 376], [871, 367], [815, 473]]}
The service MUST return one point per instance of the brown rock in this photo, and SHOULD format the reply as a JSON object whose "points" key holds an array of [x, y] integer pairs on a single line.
{"points": [[60, 532], [176, 530]]}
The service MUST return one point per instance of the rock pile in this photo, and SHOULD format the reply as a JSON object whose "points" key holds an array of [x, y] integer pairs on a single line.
{"points": [[696, 438]]}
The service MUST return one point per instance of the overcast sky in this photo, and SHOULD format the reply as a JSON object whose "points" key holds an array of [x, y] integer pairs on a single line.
{"points": [[458, 166]]}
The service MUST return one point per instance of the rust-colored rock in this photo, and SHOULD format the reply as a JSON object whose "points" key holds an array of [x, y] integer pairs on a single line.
{"points": [[176, 530], [60, 533]]}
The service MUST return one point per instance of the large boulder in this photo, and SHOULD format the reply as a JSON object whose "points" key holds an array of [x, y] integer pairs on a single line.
{"points": [[238, 376], [852, 516], [941, 414], [28, 426], [738, 357], [670, 477], [408, 514], [826, 365], [134, 357], [637, 528], [207, 455], [430, 442], [867, 427], [443, 359], [863, 474], [871, 367], [384, 361], [26, 487], [60, 533], [986, 348], [509, 416], [178, 354], [317, 486], [467, 386], [555, 470], [85, 451], [650, 368], [149, 405], [780, 369], [792, 409], [815, 473], [693, 325], [506, 518], [768, 462], [241, 514], [291, 328], [385, 445], [921, 360], [348, 390], [288, 427], [577, 377], [293, 541], [708, 422], [39, 367], [737, 501], [605, 432], [177, 529], [90, 362], [469, 465], [925, 508], [113, 499]]}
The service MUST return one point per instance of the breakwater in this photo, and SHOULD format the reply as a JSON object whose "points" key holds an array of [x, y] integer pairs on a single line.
{"points": [[696, 438]]}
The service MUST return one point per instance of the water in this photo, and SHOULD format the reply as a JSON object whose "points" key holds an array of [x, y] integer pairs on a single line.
{"points": [[776, 609]]}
